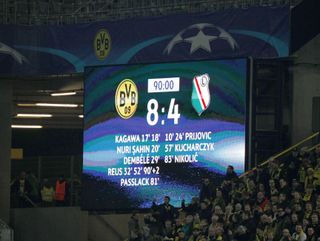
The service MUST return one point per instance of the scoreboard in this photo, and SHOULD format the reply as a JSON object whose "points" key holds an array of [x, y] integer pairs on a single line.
{"points": [[152, 130]]}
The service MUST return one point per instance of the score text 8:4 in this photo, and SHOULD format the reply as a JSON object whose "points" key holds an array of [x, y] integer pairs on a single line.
{"points": [[153, 115]]}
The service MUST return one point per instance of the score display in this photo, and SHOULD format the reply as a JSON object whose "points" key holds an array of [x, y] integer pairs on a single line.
{"points": [[152, 130]]}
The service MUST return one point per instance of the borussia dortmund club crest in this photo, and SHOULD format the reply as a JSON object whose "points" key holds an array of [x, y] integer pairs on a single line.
{"points": [[200, 93], [102, 44], [126, 98]]}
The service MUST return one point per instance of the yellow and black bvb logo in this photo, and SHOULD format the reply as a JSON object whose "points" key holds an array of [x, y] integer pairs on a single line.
{"points": [[102, 44], [126, 98]]}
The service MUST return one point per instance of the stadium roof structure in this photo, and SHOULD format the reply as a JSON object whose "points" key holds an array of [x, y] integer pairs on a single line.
{"points": [[52, 12]]}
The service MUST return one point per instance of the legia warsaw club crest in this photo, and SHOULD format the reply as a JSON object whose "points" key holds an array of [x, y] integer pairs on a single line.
{"points": [[200, 98]]}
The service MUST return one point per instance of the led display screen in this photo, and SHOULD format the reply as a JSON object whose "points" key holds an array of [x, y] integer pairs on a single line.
{"points": [[152, 130]]}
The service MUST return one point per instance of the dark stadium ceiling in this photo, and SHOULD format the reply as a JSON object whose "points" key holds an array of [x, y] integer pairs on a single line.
{"points": [[30, 93], [51, 12]]}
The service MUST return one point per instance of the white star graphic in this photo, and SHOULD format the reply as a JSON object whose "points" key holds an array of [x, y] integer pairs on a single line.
{"points": [[200, 41]]}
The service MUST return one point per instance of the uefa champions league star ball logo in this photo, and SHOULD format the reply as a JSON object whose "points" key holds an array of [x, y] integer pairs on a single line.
{"points": [[204, 38]]}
